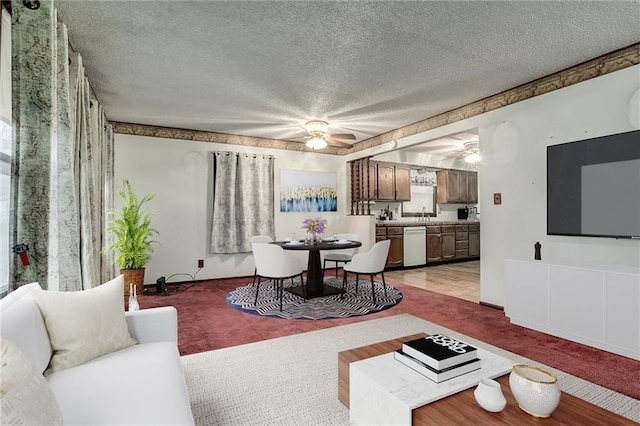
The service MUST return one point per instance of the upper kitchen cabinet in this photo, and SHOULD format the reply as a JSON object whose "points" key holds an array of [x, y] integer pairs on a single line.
{"points": [[394, 182], [376, 181], [457, 187], [403, 183], [386, 182]]}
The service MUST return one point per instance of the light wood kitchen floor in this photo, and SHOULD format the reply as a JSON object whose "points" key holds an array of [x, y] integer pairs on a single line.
{"points": [[461, 280]]}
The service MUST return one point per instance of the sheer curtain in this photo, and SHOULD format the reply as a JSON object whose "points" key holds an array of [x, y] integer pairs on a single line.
{"points": [[108, 265], [87, 192], [243, 203], [54, 165]]}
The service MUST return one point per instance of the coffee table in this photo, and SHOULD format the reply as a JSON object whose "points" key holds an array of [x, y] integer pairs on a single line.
{"points": [[461, 407]]}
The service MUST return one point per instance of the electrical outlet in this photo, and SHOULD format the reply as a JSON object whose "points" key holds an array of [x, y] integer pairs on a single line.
{"points": [[200, 263]]}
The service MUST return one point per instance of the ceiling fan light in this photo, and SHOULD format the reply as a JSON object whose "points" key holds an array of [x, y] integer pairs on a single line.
{"points": [[472, 158], [316, 143], [317, 126]]}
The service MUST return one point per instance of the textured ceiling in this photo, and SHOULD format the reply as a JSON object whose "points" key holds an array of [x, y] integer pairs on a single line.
{"points": [[264, 68]]}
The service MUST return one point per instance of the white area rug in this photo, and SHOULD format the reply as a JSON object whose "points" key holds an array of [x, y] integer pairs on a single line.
{"points": [[294, 380]]}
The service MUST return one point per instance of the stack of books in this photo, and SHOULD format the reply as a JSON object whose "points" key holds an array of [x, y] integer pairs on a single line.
{"points": [[439, 357]]}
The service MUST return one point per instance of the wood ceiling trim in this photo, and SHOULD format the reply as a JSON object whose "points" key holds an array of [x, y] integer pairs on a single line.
{"points": [[611, 62], [221, 138]]}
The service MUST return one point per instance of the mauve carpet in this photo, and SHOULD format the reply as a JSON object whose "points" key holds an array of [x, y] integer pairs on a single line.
{"points": [[206, 322]]}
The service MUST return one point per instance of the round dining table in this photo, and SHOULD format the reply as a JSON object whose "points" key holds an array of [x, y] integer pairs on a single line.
{"points": [[314, 285]]}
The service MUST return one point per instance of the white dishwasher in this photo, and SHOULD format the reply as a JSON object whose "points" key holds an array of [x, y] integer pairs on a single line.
{"points": [[415, 245]]}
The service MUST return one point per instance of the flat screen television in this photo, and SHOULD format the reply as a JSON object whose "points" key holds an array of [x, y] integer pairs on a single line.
{"points": [[593, 187]]}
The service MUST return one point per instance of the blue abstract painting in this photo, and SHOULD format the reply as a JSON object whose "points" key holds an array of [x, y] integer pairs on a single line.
{"points": [[304, 191]]}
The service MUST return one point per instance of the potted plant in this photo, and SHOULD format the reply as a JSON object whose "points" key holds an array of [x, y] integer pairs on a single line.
{"points": [[131, 228]]}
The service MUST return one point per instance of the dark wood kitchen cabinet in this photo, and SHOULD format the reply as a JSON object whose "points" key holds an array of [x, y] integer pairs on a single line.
{"points": [[468, 241], [462, 241], [472, 188], [457, 187], [441, 243], [448, 238], [448, 189], [375, 181], [394, 182], [386, 182], [474, 240], [434, 244], [403, 183], [396, 249]]}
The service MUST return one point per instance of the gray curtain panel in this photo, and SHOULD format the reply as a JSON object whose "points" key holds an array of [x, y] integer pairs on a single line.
{"points": [[88, 182], [108, 262], [243, 201], [57, 192], [43, 203]]}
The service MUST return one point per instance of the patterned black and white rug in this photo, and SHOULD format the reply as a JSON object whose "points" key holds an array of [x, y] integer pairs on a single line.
{"points": [[294, 307]]}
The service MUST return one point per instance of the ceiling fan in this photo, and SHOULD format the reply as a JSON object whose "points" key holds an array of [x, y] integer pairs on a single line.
{"points": [[319, 136], [469, 151]]}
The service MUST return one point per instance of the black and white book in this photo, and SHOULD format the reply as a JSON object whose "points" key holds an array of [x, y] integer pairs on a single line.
{"points": [[437, 376], [439, 351]]}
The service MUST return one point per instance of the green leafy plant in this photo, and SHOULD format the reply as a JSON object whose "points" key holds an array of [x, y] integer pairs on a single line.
{"points": [[132, 230]]}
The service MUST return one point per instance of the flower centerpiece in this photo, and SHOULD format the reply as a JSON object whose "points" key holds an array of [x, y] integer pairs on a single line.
{"points": [[314, 227]]}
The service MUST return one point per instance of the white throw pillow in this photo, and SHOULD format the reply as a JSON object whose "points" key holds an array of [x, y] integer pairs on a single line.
{"points": [[26, 397], [84, 325]]}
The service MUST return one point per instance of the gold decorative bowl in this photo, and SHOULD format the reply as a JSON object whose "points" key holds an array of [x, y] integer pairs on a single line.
{"points": [[535, 389]]}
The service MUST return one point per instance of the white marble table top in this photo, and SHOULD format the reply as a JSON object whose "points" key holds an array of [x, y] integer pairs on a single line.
{"points": [[384, 391]]}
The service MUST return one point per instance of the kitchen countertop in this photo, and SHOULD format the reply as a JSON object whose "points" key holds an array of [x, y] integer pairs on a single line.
{"points": [[401, 222]]}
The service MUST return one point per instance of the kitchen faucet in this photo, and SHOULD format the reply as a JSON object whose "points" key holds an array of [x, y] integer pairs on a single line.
{"points": [[424, 210]]}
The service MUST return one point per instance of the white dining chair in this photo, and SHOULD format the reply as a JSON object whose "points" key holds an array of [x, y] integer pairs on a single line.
{"points": [[370, 263], [259, 239], [273, 263], [342, 255]]}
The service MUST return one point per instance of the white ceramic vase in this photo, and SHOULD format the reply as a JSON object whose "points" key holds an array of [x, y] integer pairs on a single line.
{"points": [[535, 389], [489, 395]]}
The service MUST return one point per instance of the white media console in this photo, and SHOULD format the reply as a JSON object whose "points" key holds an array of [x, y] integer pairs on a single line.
{"points": [[598, 306]]}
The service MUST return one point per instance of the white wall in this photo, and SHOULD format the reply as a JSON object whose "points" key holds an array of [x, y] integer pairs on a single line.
{"points": [[178, 172], [513, 143]]}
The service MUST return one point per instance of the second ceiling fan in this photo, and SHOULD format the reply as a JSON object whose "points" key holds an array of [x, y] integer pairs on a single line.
{"points": [[319, 136]]}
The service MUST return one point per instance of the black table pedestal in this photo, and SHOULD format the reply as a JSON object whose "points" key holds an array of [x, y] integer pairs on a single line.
{"points": [[315, 286]]}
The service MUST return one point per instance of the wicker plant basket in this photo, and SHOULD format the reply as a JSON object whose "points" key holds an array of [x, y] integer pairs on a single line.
{"points": [[135, 277]]}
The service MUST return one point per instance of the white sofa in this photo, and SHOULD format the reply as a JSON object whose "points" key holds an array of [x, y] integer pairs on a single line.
{"points": [[141, 384]]}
